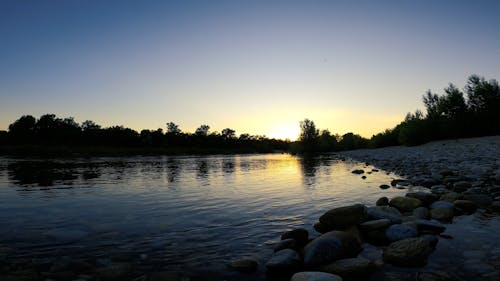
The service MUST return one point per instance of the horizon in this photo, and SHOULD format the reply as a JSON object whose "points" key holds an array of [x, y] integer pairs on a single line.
{"points": [[255, 67]]}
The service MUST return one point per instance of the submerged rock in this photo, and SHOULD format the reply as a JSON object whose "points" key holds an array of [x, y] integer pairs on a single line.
{"points": [[397, 232], [286, 260], [244, 265], [465, 205], [358, 172], [286, 244], [427, 226], [442, 214], [300, 235], [408, 252]]}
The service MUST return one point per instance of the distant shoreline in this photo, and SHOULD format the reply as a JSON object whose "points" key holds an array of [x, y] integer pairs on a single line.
{"points": [[91, 151]]}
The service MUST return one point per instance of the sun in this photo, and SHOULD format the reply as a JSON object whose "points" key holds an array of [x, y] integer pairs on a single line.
{"points": [[285, 131]]}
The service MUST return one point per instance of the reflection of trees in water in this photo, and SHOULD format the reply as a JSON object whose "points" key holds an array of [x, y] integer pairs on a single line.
{"points": [[173, 169], [228, 165], [310, 166], [41, 173], [202, 168]]}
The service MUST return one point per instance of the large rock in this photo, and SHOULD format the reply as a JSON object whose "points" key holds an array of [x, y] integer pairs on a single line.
{"points": [[442, 205], [350, 269], [244, 265], [300, 235], [286, 260], [449, 196], [397, 232], [442, 214], [426, 198], [315, 276], [375, 225], [343, 216], [421, 213], [429, 227], [384, 212], [465, 205], [461, 186], [382, 201], [482, 200], [286, 244], [405, 204], [408, 252], [331, 246]]}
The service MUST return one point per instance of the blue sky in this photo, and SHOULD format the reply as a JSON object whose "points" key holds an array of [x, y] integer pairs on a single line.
{"points": [[254, 66]]}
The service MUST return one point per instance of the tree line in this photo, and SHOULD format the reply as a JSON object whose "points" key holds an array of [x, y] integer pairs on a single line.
{"points": [[49, 130], [470, 112]]}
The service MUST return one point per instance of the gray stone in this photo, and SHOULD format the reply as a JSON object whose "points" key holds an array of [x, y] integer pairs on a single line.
{"points": [[286, 244], [315, 276], [331, 246], [426, 198], [343, 216], [432, 239], [427, 226], [244, 264], [350, 269], [442, 214], [421, 213], [384, 212], [442, 205], [397, 232], [301, 235], [375, 224], [408, 252], [405, 204], [382, 201], [286, 260], [465, 205]]}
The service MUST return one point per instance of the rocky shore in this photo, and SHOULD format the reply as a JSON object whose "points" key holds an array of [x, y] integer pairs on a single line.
{"points": [[395, 237]]}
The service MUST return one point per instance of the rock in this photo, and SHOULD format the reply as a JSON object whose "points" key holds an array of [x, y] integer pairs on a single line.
{"points": [[301, 235], [343, 216], [384, 186], [350, 269], [286, 260], [432, 239], [382, 201], [375, 224], [244, 265], [331, 246], [408, 252], [429, 227], [436, 276], [363, 177], [482, 200], [315, 276], [397, 232], [465, 205], [384, 212], [461, 186], [442, 205], [421, 213], [358, 172], [286, 244], [451, 180], [449, 196], [425, 197], [396, 182], [442, 214], [319, 227], [405, 204]]}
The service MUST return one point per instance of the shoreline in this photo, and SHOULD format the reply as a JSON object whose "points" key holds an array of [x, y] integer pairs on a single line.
{"points": [[453, 192]]}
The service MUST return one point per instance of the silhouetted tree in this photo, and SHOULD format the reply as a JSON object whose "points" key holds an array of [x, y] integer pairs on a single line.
{"points": [[309, 136], [22, 130], [228, 133], [202, 131]]}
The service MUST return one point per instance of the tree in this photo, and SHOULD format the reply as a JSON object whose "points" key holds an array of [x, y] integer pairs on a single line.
{"points": [[22, 130], [202, 131], [309, 136], [173, 129], [228, 133], [88, 125]]}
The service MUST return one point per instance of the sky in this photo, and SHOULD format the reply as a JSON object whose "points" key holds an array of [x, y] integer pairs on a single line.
{"points": [[257, 67]]}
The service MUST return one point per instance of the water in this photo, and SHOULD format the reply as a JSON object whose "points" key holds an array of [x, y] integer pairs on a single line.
{"points": [[184, 213], [196, 211]]}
